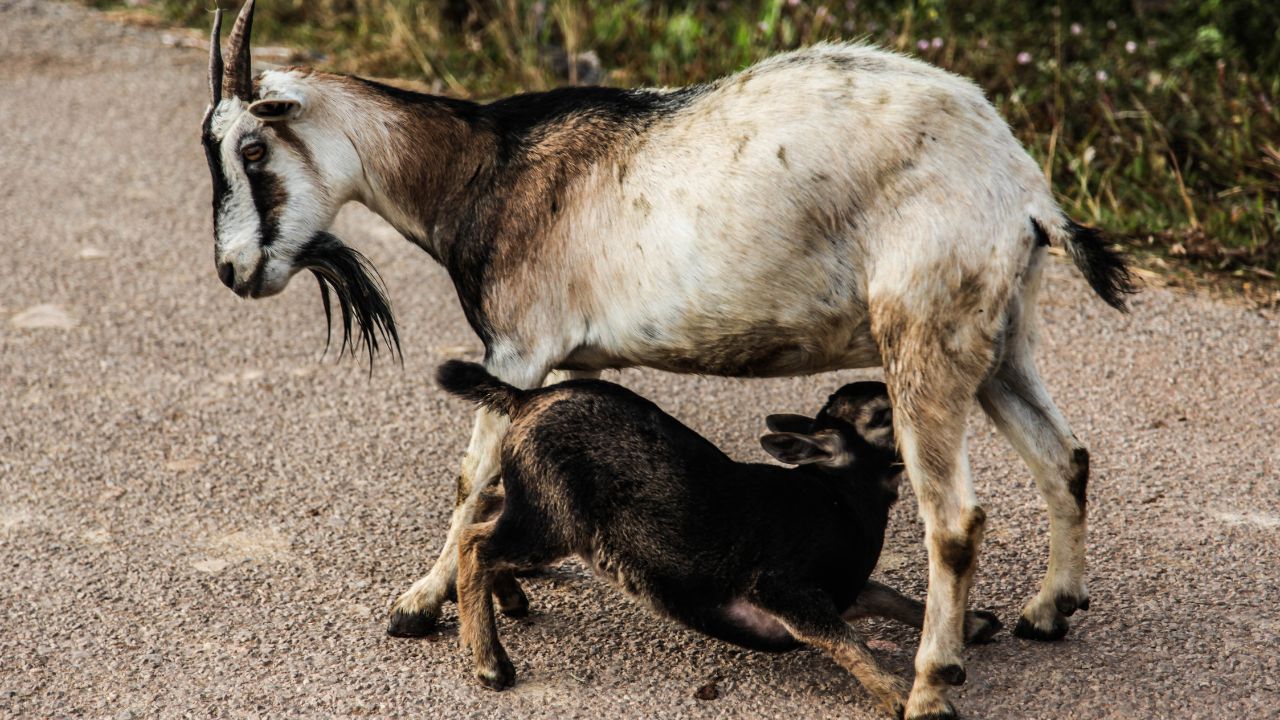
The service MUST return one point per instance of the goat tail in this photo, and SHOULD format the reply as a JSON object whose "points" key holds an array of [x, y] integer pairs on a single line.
{"points": [[1102, 266], [472, 382]]}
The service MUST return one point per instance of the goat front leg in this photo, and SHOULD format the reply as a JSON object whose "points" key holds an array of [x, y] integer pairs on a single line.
{"points": [[415, 612], [880, 600], [935, 357]]}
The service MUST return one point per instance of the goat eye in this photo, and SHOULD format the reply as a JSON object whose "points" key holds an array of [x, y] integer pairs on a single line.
{"points": [[254, 152], [881, 418]]}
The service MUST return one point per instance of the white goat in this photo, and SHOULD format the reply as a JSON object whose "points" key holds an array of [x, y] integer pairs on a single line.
{"points": [[834, 207]]}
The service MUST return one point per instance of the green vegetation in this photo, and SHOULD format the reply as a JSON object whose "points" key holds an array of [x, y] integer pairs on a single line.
{"points": [[1157, 119]]}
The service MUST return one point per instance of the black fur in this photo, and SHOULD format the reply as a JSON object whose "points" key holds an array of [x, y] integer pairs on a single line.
{"points": [[360, 292], [269, 196], [1103, 267], [1079, 483], [592, 469], [519, 119], [471, 382], [950, 674], [213, 158]]}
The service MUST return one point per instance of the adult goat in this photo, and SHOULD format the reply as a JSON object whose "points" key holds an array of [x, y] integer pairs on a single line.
{"points": [[834, 207]]}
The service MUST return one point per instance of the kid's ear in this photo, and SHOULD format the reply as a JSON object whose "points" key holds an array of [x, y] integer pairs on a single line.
{"points": [[787, 422], [824, 448], [275, 109]]}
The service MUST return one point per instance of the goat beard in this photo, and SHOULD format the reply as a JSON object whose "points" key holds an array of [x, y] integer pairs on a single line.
{"points": [[361, 294]]}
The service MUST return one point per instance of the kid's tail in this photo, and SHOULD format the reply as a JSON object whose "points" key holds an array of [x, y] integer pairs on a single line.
{"points": [[471, 381], [1103, 267]]}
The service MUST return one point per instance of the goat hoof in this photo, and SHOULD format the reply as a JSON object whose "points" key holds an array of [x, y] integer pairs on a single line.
{"points": [[499, 677], [411, 624], [1028, 630], [952, 674], [512, 601], [1068, 604], [514, 607], [981, 626]]}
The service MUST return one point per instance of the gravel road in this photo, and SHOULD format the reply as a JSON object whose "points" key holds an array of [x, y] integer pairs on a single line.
{"points": [[199, 516]]}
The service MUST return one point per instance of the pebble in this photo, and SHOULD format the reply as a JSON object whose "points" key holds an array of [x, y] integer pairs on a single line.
{"points": [[44, 316]]}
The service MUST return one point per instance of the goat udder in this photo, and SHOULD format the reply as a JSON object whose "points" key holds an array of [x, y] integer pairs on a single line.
{"points": [[756, 621]]}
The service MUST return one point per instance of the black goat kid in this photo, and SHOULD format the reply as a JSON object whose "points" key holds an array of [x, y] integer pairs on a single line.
{"points": [[758, 555]]}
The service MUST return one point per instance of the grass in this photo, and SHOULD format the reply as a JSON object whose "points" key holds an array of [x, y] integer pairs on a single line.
{"points": [[1157, 120]]}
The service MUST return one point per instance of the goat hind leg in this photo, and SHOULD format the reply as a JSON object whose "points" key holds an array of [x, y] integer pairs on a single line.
{"points": [[493, 668], [809, 616], [512, 601], [1017, 402], [880, 600]]}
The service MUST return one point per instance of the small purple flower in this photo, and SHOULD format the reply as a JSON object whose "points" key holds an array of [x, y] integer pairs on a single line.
{"points": [[1131, 47], [982, 43], [1101, 75], [1024, 58], [922, 44], [1076, 28], [936, 43], [793, 3]]}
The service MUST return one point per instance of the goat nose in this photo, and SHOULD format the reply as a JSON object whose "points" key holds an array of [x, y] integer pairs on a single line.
{"points": [[227, 274]]}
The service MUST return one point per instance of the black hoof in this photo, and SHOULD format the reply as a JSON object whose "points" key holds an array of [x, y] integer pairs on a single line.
{"points": [[514, 609], [410, 625], [500, 677], [1028, 631], [1067, 604], [512, 601], [983, 626], [950, 674]]}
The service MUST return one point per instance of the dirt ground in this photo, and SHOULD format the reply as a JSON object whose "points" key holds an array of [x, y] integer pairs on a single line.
{"points": [[199, 516]]}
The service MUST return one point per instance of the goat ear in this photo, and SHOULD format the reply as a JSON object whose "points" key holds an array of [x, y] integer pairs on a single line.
{"points": [[787, 422], [275, 109], [823, 448]]}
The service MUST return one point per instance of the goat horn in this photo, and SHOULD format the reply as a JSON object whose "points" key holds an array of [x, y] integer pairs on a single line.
{"points": [[238, 80], [215, 58]]}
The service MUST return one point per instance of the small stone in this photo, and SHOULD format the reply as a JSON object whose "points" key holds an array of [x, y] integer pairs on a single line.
{"points": [[210, 566], [44, 316], [89, 252], [183, 464]]}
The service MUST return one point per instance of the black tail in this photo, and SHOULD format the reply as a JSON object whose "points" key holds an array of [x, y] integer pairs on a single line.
{"points": [[1104, 268], [471, 381]]}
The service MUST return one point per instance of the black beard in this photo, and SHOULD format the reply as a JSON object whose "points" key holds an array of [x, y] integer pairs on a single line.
{"points": [[360, 291]]}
